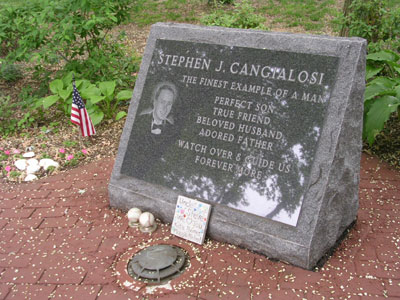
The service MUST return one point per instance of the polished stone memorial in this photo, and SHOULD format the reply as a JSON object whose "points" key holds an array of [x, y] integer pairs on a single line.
{"points": [[266, 127]]}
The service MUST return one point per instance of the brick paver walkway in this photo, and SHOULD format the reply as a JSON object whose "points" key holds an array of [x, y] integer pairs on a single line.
{"points": [[59, 239]]}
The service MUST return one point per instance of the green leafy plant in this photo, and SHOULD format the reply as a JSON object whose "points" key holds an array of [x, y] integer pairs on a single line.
{"points": [[374, 21], [10, 72], [15, 174], [52, 127], [50, 169], [44, 155], [14, 21], [62, 95], [382, 93], [8, 122], [111, 100], [72, 163], [5, 114], [380, 25], [25, 135], [101, 98], [73, 31], [26, 121], [242, 16], [73, 159], [68, 143]]}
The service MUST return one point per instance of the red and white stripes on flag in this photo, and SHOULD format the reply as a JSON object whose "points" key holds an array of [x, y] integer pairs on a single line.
{"points": [[79, 114]]}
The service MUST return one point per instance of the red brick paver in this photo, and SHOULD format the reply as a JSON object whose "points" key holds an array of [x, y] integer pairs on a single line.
{"points": [[60, 240], [31, 291]]}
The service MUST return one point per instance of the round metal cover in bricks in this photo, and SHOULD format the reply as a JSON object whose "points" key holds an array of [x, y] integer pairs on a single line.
{"points": [[157, 263]]}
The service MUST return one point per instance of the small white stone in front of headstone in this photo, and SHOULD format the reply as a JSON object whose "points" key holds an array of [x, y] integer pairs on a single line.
{"points": [[28, 154], [47, 162], [33, 162], [191, 219], [32, 169], [30, 177], [20, 164]]}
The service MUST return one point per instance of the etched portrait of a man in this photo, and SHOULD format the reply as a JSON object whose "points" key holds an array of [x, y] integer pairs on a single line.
{"points": [[164, 96], [154, 131]]}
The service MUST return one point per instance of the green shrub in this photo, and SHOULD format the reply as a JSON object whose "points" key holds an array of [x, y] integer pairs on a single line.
{"points": [[374, 21], [102, 99], [7, 124], [10, 72], [10, 122], [74, 33], [380, 26], [69, 143], [243, 16], [382, 93], [15, 23], [15, 174]]}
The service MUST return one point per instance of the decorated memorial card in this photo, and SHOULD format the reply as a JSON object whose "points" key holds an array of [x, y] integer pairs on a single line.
{"points": [[191, 219]]}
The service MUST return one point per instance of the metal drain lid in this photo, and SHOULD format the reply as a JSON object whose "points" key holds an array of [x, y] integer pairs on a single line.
{"points": [[156, 263]]}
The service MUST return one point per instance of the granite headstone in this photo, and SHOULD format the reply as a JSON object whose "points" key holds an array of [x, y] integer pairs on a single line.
{"points": [[266, 127]]}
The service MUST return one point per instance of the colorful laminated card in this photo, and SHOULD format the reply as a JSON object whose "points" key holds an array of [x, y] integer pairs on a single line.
{"points": [[191, 219]]}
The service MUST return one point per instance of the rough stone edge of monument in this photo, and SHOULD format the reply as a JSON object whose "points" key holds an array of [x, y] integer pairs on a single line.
{"points": [[345, 169], [283, 233]]}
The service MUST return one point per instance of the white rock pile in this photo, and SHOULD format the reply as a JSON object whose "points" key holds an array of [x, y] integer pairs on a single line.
{"points": [[31, 166]]}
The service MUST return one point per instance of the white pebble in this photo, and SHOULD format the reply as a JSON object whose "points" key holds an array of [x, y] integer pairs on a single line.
{"points": [[20, 164], [47, 162], [28, 155], [32, 169], [33, 162], [30, 177]]}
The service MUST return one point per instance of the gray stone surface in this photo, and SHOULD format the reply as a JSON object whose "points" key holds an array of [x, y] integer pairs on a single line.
{"points": [[293, 214]]}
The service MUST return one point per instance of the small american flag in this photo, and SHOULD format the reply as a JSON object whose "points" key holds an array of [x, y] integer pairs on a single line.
{"points": [[79, 114]]}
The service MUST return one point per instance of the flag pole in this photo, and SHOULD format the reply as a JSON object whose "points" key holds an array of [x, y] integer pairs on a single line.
{"points": [[80, 137]]}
